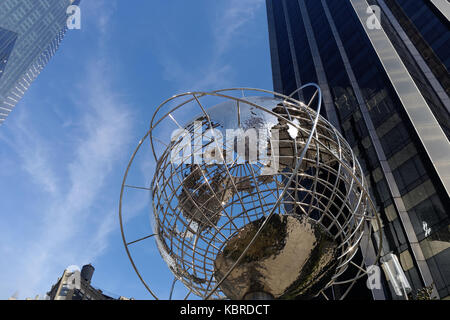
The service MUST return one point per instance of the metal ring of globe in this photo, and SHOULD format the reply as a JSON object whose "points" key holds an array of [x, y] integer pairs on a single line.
{"points": [[210, 219]]}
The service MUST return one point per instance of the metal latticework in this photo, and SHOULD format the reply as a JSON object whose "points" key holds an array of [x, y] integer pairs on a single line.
{"points": [[226, 182]]}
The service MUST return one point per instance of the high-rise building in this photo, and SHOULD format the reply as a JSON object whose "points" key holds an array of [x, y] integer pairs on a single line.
{"points": [[30, 33], [383, 66], [76, 285]]}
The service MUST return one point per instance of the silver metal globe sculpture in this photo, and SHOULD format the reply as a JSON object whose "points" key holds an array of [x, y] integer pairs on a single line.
{"points": [[256, 196]]}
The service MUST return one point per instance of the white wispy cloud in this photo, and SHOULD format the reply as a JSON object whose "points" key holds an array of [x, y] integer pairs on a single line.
{"points": [[229, 24], [74, 224], [72, 216], [103, 12], [227, 34], [33, 154]]}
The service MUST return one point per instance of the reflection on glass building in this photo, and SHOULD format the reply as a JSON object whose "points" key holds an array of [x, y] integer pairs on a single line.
{"points": [[386, 88], [30, 33]]}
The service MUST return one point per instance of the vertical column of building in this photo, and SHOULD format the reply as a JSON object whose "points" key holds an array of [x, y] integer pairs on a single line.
{"points": [[346, 106], [443, 7], [420, 33], [321, 76], [387, 172], [293, 52], [419, 70], [302, 38], [435, 84], [273, 42], [379, 108], [425, 124]]}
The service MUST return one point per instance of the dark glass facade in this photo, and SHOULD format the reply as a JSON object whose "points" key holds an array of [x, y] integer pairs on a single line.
{"points": [[333, 47], [432, 26]]}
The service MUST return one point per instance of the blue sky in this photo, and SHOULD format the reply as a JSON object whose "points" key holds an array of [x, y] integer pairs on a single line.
{"points": [[65, 147]]}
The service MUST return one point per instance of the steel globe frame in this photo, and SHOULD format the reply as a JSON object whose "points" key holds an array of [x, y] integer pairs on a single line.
{"points": [[363, 228]]}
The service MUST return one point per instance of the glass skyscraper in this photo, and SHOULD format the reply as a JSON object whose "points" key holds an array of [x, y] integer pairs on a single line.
{"points": [[386, 87], [30, 33]]}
